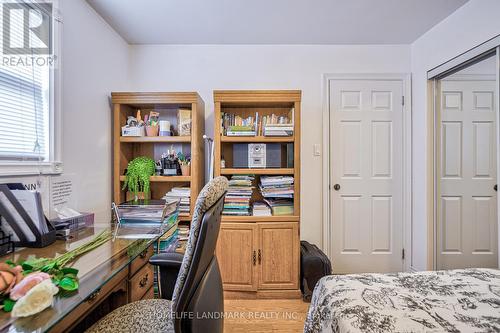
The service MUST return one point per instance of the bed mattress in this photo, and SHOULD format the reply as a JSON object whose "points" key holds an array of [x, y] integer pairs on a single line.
{"points": [[466, 300]]}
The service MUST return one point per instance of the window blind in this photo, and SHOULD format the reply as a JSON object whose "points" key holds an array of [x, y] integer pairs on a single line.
{"points": [[24, 101]]}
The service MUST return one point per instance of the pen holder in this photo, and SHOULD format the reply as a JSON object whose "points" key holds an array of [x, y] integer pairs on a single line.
{"points": [[185, 169], [152, 130]]}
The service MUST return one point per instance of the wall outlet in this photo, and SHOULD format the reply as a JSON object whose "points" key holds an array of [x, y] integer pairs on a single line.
{"points": [[317, 150]]}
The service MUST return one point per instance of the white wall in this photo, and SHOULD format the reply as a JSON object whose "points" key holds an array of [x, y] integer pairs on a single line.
{"points": [[205, 68], [94, 63], [471, 25]]}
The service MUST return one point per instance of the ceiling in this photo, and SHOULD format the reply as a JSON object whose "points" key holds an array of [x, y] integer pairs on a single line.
{"points": [[273, 21]]}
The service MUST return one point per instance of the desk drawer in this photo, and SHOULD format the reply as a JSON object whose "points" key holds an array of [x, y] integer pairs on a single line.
{"points": [[140, 283], [150, 294], [141, 260]]}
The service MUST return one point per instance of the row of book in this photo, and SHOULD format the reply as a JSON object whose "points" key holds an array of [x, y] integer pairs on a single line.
{"points": [[268, 125], [239, 192], [182, 193]]}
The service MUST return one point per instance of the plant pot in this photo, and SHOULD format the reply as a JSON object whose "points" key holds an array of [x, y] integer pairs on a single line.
{"points": [[152, 130], [185, 170], [140, 196]]}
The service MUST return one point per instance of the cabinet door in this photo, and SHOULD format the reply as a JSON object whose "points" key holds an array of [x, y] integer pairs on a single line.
{"points": [[236, 250], [278, 258]]}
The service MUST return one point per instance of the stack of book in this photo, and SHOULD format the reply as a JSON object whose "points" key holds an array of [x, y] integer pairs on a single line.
{"points": [[239, 192], [280, 206], [261, 209], [240, 131], [182, 193], [278, 130], [276, 186], [278, 193], [182, 238]]}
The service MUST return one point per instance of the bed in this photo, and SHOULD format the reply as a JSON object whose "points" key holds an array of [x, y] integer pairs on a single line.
{"points": [[466, 300]]}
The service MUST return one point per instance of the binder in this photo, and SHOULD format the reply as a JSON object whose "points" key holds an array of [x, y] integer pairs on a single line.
{"points": [[8, 201]]}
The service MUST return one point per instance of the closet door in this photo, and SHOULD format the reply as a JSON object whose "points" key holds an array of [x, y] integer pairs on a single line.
{"points": [[237, 256], [467, 202], [278, 255]]}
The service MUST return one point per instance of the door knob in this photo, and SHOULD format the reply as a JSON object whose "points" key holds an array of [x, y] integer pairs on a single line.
{"points": [[336, 187], [495, 187]]}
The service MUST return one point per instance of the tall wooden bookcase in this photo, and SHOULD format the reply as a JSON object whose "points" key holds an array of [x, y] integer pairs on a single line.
{"points": [[127, 148], [259, 257]]}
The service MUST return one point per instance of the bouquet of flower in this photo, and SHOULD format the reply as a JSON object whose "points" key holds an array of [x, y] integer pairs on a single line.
{"points": [[29, 287]]}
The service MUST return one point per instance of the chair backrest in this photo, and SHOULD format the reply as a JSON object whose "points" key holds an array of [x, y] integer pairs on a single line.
{"points": [[199, 267]]}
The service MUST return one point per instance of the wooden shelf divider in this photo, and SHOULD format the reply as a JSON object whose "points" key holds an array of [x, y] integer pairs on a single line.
{"points": [[258, 139], [268, 171], [154, 139], [165, 179]]}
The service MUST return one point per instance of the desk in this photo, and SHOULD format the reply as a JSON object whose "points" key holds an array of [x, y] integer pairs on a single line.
{"points": [[111, 275]]}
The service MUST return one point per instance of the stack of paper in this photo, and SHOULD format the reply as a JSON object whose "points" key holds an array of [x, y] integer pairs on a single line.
{"points": [[183, 193], [280, 206], [276, 186], [239, 192], [261, 209]]}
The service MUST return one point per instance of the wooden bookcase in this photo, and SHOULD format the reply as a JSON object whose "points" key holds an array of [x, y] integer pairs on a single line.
{"points": [[259, 256], [127, 148]]}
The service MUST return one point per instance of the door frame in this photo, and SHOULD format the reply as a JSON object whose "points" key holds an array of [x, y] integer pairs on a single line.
{"points": [[405, 79]]}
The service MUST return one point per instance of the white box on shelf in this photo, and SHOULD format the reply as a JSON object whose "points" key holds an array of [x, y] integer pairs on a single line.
{"points": [[133, 131]]}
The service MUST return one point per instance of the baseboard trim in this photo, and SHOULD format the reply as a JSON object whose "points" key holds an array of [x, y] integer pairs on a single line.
{"points": [[263, 294]]}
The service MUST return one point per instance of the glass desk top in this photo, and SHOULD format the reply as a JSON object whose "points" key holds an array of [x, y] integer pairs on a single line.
{"points": [[96, 268]]}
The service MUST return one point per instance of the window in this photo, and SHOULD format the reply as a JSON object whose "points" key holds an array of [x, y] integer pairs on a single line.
{"points": [[27, 84]]}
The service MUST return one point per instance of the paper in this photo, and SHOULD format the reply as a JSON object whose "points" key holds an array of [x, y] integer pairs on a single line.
{"points": [[32, 204], [30, 236]]}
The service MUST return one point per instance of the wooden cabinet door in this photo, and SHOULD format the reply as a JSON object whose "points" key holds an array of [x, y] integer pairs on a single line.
{"points": [[236, 248], [278, 258]]}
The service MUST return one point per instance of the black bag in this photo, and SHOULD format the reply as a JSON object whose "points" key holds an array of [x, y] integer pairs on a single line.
{"points": [[314, 264]]}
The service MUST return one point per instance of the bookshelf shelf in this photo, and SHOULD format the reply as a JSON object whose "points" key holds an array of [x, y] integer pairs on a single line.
{"points": [[257, 139], [165, 179], [154, 139], [253, 219], [125, 149], [277, 171]]}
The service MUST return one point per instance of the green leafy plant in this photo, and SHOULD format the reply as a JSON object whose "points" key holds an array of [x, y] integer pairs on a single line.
{"points": [[137, 177]]}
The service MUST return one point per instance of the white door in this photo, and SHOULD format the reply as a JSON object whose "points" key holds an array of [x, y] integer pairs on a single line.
{"points": [[467, 201], [366, 136]]}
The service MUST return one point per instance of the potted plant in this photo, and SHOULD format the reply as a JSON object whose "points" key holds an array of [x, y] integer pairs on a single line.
{"points": [[137, 177], [185, 162]]}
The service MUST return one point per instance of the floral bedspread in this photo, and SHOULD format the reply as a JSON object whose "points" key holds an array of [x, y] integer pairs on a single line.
{"points": [[465, 300]]}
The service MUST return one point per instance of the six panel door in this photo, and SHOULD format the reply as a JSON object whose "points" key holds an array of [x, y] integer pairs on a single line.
{"points": [[467, 201], [366, 175], [278, 255], [237, 256]]}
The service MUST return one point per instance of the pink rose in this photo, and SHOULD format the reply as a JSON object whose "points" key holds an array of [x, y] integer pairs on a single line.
{"points": [[26, 284]]}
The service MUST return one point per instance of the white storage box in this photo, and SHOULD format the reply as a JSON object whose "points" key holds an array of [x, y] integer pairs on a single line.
{"points": [[133, 131]]}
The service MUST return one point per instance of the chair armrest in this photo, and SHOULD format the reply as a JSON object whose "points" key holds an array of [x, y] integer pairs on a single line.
{"points": [[169, 265], [167, 260]]}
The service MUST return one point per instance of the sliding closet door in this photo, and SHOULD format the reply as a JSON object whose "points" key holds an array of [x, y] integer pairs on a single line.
{"points": [[366, 175], [467, 201]]}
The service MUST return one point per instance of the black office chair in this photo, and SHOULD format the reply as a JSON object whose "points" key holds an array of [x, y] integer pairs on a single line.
{"points": [[193, 280]]}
